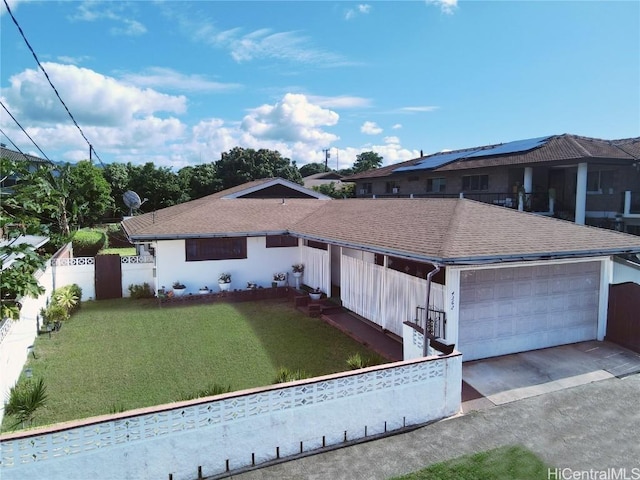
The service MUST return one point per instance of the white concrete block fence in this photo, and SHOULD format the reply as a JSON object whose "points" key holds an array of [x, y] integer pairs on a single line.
{"points": [[235, 431]]}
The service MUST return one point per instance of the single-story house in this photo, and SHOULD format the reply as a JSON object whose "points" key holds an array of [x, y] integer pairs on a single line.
{"points": [[324, 178], [587, 180], [500, 281]]}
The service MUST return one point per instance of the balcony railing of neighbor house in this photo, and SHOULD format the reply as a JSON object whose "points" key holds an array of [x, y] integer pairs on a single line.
{"points": [[630, 203]]}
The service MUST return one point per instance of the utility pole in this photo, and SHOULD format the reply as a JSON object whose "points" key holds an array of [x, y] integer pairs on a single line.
{"points": [[326, 158]]}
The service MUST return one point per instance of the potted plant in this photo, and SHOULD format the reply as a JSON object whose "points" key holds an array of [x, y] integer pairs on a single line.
{"points": [[279, 278], [298, 269], [252, 285], [179, 288], [224, 281], [315, 294], [203, 290]]}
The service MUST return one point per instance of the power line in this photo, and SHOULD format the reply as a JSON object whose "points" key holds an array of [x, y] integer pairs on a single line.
{"points": [[91, 149], [25, 132]]}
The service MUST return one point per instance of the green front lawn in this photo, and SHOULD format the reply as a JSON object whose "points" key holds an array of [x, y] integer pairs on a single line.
{"points": [[125, 354], [505, 463]]}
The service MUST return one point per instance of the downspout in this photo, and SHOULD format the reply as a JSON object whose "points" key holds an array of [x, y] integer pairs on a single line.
{"points": [[425, 341]]}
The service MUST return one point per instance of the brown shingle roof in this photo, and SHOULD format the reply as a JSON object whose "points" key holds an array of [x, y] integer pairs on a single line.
{"points": [[441, 230], [557, 149], [456, 230], [211, 216]]}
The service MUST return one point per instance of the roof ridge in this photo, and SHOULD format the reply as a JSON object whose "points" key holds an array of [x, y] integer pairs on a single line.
{"points": [[453, 227], [574, 140]]}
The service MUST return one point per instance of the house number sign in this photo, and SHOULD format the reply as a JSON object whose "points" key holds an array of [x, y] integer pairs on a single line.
{"points": [[453, 300]]}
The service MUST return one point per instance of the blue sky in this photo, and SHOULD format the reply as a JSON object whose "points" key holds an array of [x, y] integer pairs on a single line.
{"points": [[179, 82]]}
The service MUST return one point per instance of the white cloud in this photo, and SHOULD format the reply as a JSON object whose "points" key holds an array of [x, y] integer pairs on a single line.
{"points": [[292, 119], [73, 60], [168, 78], [13, 5], [424, 108], [391, 153], [131, 28], [360, 9], [446, 6], [392, 140], [341, 101], [370, 128], [260, 44], [92, 98], [112, 11], [397, 126]]}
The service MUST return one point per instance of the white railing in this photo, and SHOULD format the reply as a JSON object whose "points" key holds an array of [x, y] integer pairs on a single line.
{"points": [[72, 262], [5, 327], [137, 259], [240, 429]]}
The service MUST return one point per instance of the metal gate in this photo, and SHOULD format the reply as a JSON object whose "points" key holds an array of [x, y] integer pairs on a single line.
{"points": [[108, 277], [623, 318]]}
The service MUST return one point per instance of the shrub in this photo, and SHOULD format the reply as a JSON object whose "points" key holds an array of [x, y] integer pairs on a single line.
{"points": [[140, 291], [24, 399], [87, 243], [285, 375], [66, 297], [64, 301], [210, 391], [356, 362], [55, 313]]}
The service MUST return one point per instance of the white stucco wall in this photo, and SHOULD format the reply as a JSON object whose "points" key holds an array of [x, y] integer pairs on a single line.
{"points": [[21, 334], [78, 270], [136, 273], [178, 438], [259, 266]]}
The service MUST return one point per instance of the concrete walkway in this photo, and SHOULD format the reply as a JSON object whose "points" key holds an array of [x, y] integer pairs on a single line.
{"points": [[592, 426]]}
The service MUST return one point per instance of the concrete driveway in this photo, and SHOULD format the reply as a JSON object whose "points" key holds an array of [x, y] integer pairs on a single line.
{"points": [[508, 378]]}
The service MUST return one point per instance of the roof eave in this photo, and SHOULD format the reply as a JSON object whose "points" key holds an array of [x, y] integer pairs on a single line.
{"points": [[148, 237]]}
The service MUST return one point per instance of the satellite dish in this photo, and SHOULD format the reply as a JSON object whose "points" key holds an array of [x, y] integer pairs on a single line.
{"points": [[132, 200]]}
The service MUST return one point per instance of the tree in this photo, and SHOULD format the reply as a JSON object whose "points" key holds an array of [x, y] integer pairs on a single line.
{"points": [[367, 161], [241, 165], [44, 195], [117, 176], [200, 180], [89, 191], [311, 169], [160, 186], [330, 190], [17, 279]]}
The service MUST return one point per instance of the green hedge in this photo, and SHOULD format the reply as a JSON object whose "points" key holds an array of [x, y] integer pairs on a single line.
{"points": [[87, 243]]}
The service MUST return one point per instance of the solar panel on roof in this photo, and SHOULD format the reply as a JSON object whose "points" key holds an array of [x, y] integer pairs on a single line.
{"points": [[511, 147], [435, 161]]}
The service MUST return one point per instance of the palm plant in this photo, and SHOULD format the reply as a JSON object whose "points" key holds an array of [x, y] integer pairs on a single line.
{"points": [[24, 400]]}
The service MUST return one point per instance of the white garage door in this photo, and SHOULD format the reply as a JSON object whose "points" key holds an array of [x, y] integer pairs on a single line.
{"points": [[509, 310]]}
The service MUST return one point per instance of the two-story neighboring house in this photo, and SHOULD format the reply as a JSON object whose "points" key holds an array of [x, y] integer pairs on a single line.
{"points": [[587, 180]]}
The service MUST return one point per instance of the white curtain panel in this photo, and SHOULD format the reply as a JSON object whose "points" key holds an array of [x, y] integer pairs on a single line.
{"points": [[361, 287], [316, 268], [384, 296]]}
